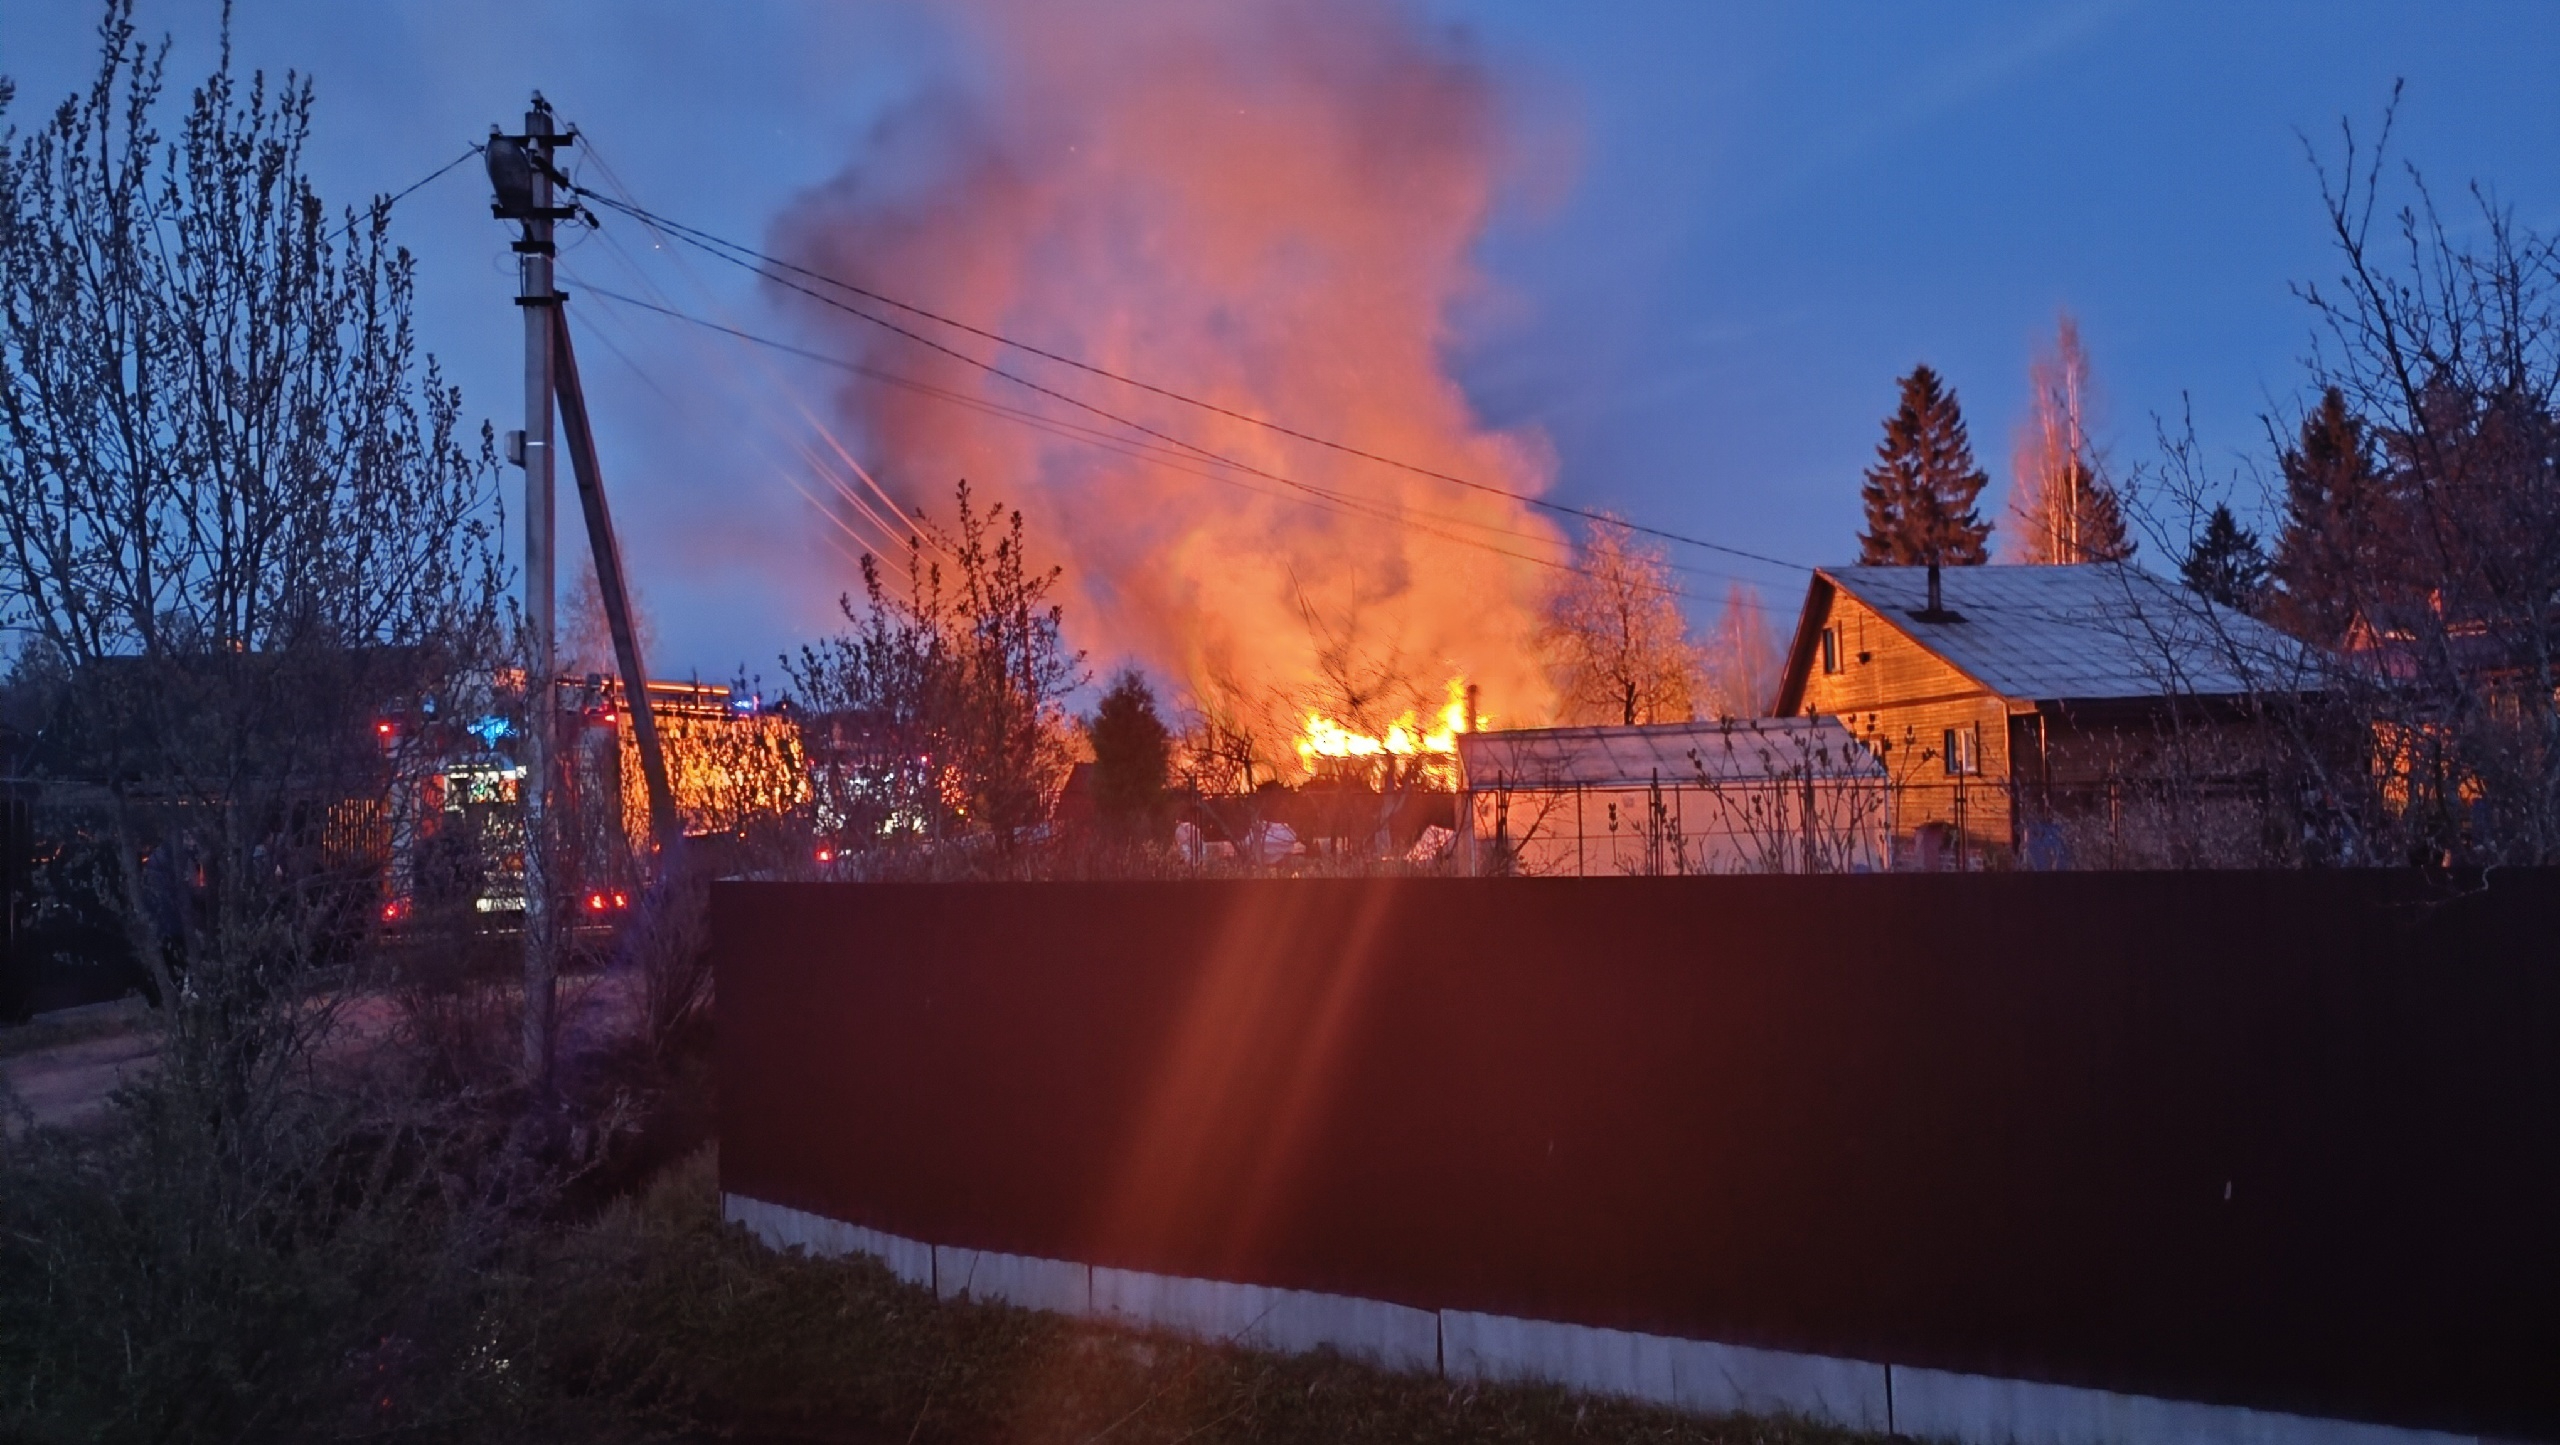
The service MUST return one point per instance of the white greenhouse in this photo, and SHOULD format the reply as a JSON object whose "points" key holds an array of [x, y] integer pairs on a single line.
{"points": [[1746, 795]]}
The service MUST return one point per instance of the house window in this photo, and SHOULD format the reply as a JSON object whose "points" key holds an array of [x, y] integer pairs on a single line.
{"points": [[1963, 751], [1831, 649]]}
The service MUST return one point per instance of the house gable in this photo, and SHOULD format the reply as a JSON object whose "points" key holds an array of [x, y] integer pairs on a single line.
{"points": [[1879, 663], [1906, 703]]}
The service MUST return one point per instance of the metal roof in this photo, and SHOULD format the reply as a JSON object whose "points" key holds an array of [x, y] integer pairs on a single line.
{"points": [[2095, 631], [1735, 750]]}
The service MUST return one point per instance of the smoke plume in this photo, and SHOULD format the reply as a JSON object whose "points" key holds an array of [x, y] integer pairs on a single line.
{"points": [[1268, 206]]}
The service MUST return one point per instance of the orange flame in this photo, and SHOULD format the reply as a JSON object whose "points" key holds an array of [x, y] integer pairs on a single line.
{"points": [[1408, 749]]}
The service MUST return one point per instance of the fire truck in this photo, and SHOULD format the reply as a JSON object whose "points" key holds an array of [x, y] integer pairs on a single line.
{"points": [[457, 835]]}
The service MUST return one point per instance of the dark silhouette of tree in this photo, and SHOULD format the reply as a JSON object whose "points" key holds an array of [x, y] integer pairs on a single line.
{"points": [[2334, 555], [2103, 535], [956, 677], [2423, 527], [1920, 494], [242, 524], [1132, 757], [2227, 564]]}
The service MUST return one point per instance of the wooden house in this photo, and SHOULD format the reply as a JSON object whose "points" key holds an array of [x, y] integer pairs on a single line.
{"points": [[2014, 706]]}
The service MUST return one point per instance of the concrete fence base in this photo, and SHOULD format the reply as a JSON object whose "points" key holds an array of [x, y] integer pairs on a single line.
{"points": [[1699, 1376]]}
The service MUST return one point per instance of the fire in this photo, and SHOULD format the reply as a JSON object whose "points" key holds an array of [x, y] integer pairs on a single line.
{"points": [[1328, 747], [1278, 204], [724, 770]]}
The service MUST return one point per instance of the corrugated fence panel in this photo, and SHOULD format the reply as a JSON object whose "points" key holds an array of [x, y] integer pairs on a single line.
{"points": [[2283, 1141]]}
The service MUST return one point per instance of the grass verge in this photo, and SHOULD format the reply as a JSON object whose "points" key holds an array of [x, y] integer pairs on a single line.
{"points": [[699, 1331]]}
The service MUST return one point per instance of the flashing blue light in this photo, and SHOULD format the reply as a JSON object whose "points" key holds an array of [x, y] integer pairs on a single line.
{"points": [[489, 729]]}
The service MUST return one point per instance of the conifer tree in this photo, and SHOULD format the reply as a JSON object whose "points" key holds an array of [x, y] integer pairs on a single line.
{"points": [[1132, 756], [2227, 564], [1920, 493], [2335, 552]]}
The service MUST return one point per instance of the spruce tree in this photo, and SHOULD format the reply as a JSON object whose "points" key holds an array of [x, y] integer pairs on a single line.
{"points": [[1920, 494], [2103, 534], [2227, 564], [2337, 548], [2068, 515], [1132, 757]]}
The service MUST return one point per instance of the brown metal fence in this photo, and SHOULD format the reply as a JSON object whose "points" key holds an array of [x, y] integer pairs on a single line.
{"points": [[2285, 1140]]}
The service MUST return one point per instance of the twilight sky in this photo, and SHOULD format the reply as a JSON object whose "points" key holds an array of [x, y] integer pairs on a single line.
{"points": [[1720, 232]]}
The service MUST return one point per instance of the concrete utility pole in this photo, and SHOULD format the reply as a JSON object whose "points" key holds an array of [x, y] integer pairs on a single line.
{"points": [[522, 173], [521, 170]]}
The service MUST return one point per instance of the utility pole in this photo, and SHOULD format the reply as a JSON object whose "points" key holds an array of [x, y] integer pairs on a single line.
{"points": [[521, 171], [522, 174]]}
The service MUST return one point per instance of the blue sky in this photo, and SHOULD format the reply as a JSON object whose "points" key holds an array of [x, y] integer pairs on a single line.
{"points": [[1765, 215]]}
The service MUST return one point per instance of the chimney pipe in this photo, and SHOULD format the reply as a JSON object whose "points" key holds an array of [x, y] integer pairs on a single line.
{"points": [[1473, 716], [1935, 610]]}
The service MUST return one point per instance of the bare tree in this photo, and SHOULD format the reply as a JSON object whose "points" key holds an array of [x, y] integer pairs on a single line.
{"points": [[1506, 812], [1741, 665], [2062, 507], [2421, 550], [2445, 341], [955, 686], [244, 536], [1363, 686], [1616, 644], [1816, 803], [586, 636], [1227, 743], [254, 566]]}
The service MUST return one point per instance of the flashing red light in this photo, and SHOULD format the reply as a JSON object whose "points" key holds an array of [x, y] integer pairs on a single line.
{"points": [[622, 900], [595, 903], [826, 855], [384, 728], [395, 910]]}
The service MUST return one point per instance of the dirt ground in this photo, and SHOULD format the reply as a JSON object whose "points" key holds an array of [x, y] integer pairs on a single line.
{"points": [[60, 1069]]}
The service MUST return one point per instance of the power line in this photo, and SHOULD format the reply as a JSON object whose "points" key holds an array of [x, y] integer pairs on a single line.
{"points": [[430, 177], [741, 255], [592, 152], [1321, 496], [1120, 446], [383, 206], [1139, 451], [720, 248]]}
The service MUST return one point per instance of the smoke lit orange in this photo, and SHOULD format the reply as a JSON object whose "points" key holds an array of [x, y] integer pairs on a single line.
{"points": [[1270, 207]]}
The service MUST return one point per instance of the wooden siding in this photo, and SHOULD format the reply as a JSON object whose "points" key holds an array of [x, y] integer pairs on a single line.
{"points": [[1900, 699], [2128, 781]]}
